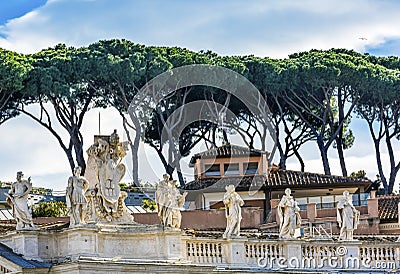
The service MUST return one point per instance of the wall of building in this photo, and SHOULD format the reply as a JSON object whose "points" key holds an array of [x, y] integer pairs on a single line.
{"points": [[369, 221], [207, 219]]}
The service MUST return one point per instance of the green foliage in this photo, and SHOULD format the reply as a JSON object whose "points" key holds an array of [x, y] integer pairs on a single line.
{"points": [[359, 174], [315, 93], [50, 209], [41, 191], [123, 186], [149, 205]]}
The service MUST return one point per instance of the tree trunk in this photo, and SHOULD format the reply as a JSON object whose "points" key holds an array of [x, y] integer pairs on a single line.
{"points": [[134, 147], [324, 156], [379, 164], [339, 136], [180, 177], [302, 165], [393, 168], [341, 154]]}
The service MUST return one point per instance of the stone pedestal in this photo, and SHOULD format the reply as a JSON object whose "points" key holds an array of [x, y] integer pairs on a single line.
{"points": [[25, 243], [120, 242], [234, 248], [292, 249]]}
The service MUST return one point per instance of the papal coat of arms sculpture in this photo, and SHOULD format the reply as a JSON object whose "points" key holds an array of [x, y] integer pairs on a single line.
{"points": [[104, 171]]}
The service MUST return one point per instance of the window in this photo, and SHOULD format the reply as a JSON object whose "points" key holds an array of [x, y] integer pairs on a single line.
{"points": [[316, 200], [250, 168], [231, 169], [328, 201], [301, 201], [212, 170]]}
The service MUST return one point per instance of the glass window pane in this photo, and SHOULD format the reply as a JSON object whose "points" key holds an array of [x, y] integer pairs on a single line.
{"points": [[327, 199], [316, 200], [250, 168], [212, 170], [301, 201], [231, 169]]}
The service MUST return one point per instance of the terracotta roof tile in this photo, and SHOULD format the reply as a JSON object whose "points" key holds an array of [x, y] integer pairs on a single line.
{"points": [[226, 151], [281, 177], [278, 178], [388, 207]]}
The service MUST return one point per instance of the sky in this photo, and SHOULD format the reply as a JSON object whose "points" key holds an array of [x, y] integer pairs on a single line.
{"points": [[262, 28]]}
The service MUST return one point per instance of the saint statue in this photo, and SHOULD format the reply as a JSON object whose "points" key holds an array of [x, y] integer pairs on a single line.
{"points": [[233, 212], [162, 200], [347, 217], [169, 202], [17, 198], [177, 200], [76, 200], [289, 215]]}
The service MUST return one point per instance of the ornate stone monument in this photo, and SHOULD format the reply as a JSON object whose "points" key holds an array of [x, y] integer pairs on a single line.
{"points": [[233, 212], [17, 198], [75, 197], [347, 217], [289, 215], [105, 200], [169, 203]]}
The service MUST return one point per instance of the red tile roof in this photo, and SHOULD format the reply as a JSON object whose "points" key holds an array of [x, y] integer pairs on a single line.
{"points": [[278, 178], [388, 207], [226, 151]]}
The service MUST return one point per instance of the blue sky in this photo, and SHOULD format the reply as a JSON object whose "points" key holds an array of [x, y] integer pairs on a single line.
{"points": [[263, 28], [17, 8]]}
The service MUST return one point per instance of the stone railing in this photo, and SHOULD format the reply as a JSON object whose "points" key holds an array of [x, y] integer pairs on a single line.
{"points": [[205, 251], [262, 249], [380, 255], [390, 226], [293, 254]]}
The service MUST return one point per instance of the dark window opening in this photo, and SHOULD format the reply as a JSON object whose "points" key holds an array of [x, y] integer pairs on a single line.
{"points": [[212, 170], [231, 169], [250, 168]]}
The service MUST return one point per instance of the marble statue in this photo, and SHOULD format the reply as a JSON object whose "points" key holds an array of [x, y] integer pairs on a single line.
{"points": [[177, 200], [169, 202], [347, 217], [233, 212], [289, 215], [17, 198], [162, 200], [104, 171], [76, 200]]}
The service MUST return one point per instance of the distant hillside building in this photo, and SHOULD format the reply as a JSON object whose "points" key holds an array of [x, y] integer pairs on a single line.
{"points": [[258, 183]]}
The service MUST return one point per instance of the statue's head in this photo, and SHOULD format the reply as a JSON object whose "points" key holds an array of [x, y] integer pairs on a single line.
{"points": [[166, 177], [77, 170], [288, 192], [102, 145], [114, 138], [20, 175], [230, 188], [346, 193]]}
